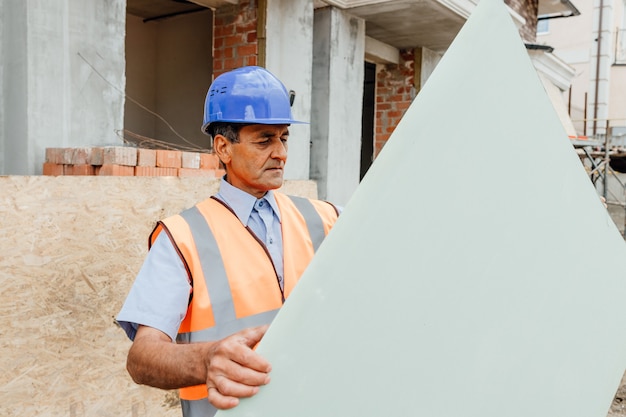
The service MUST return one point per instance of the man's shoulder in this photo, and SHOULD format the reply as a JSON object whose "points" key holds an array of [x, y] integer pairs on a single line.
{"points": [[210, 203], [298, 201]]}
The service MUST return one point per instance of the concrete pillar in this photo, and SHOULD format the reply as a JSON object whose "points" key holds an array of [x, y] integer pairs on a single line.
{"points": [[13, 62], [63, 80], [2, 36], [338, 71], [428, 61], [289, 55]]}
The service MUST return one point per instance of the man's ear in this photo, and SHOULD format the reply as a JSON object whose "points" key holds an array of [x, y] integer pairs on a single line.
{"points": [[222, 148]]}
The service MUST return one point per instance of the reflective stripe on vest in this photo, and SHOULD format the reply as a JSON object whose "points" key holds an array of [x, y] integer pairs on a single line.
{"points": [[201, 234], [313, 220], [197, 408]]}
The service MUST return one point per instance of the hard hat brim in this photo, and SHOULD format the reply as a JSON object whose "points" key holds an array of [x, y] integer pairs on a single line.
{"points": [[255, 122]]}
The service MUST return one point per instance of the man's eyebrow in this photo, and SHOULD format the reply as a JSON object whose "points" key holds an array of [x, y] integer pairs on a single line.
{"points": [[271, 133]]}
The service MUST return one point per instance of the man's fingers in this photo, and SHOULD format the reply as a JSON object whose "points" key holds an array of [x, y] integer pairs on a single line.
{"points": [[238, 349], [226, 392], [232, 370], [229, 388], [235, 370], [220, 401], [253, 335]]}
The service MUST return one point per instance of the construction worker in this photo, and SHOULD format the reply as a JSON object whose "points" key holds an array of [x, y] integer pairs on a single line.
{"points": [[216, 274]]}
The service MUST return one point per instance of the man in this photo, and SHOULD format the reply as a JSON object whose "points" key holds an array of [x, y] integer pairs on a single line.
{"points": [[216, 274]]}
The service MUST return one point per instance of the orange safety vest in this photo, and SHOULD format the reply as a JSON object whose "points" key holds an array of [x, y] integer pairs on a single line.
{"points": [[234, 283]]}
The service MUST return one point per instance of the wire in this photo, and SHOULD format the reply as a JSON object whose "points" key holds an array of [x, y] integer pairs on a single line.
{"points": [[158, 116], [140, 141]]}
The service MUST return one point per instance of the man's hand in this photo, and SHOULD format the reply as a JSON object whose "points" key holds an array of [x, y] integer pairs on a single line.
{"points": [[230, 367], [234, 369]]}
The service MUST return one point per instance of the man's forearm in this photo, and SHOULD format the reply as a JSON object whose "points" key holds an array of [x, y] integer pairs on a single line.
{"points": [[159, 363]]}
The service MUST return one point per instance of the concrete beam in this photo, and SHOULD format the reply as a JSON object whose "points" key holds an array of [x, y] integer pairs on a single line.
{"points": [[380, 52]]}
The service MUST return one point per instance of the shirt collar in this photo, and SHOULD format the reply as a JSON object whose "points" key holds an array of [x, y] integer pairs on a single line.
{"points": [[242, 203]]}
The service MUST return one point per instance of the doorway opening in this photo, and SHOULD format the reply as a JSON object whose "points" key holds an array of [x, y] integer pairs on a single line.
{"points": [[168, 72], [368, 118]]}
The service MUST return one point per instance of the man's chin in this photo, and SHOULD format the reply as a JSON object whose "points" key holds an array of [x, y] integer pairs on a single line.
{"points": [[276, 181], [276, 185]]}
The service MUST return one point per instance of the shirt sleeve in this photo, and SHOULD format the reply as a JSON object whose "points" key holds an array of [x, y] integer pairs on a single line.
{"points": [[159, 296]]}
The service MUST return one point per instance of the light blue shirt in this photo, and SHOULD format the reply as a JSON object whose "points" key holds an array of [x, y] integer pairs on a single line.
{"points": [[159, 296]]}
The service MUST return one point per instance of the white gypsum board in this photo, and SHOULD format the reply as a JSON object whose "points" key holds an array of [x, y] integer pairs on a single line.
{"points": [[474, 272]]}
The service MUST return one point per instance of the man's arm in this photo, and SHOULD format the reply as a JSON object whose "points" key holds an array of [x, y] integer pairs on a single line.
{"points": [[230, 367]]}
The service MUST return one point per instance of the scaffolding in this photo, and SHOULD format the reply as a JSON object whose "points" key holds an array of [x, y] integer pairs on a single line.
{"points": [[604, 159]]}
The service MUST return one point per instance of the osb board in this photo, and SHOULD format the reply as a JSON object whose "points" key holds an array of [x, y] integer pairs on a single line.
{"points": [[71, 247]]}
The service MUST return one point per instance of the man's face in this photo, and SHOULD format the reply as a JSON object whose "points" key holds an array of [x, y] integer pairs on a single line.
{"points": [[256, 163]]}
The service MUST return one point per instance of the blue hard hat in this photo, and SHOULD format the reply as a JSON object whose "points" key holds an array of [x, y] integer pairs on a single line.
{"points": [[247, 95]]}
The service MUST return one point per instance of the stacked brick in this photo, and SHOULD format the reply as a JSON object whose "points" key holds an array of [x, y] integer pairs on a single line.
{"points": [[127, 161]]}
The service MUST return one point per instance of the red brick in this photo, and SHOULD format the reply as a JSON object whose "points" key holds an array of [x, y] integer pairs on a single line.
{"points": [[80, 169], [80, 156], [228, 52], [61, 156], [251, 37], [116, 170], [120, 155], [144, 171], [56, 156], [190, 160], [223, 30], [245, 50], [189, 172], [168, 159], [403, 105], [249, 26], [209, 161], [97, 156], [232, 40], [50, 168], [146, 157], [232, 63]]}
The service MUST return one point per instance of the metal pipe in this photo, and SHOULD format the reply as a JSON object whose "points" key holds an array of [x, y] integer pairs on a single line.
{"points": [[585, 115], [569, 102], [599, 50], [607, 159]]}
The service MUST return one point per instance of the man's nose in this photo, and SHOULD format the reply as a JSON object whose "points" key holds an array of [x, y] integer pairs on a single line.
{"points": [[280, 150]]}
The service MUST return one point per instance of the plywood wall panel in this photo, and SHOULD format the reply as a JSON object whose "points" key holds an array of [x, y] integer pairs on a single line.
{"points": [[69, 250]]}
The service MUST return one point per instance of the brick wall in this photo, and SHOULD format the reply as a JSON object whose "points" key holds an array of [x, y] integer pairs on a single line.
{"points": [[129, 161], [235, 37], [528, 10], [394, 86]]}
